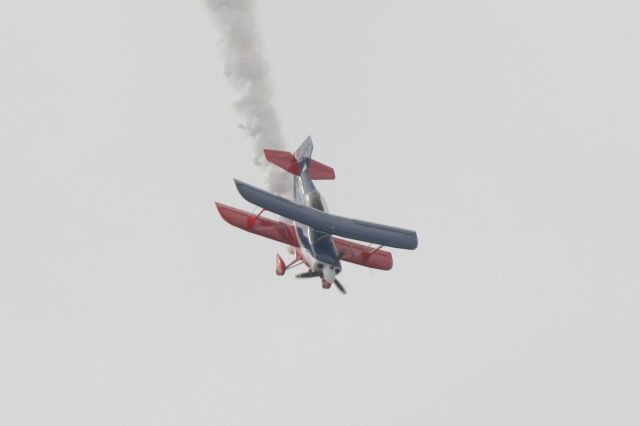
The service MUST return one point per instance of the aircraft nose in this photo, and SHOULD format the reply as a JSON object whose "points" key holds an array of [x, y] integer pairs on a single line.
{"points": [[328, 275]]}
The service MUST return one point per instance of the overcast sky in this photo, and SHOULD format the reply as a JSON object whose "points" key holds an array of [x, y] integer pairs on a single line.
{"points": [[506, 133]]}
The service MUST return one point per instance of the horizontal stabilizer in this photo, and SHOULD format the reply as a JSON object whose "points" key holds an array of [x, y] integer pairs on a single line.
{"points": [[283, 159], [288, 162], [331, 224], [319, 171]]}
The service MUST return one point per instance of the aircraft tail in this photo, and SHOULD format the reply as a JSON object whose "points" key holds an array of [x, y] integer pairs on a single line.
{"points": [[295, 163], [305, 150]]}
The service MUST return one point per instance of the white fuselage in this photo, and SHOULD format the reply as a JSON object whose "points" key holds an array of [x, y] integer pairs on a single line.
{"points": [[315, 248]]}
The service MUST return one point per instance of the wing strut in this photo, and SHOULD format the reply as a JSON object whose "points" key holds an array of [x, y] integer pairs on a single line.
{"points": [[251, 220], [368, 254]]}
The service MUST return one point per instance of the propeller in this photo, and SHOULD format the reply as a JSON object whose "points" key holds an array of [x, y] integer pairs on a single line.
{"points": [[339, 286], [309, 274], [314, 274]]}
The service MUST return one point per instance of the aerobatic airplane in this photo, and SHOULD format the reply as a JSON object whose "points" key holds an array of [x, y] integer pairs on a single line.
{"points": [[311, 235]]}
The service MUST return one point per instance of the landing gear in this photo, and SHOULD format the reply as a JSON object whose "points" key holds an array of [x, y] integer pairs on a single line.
{"points": [[281, 268]]}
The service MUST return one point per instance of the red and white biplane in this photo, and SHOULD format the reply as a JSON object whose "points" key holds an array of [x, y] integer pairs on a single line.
{"points": [[312, 231]]}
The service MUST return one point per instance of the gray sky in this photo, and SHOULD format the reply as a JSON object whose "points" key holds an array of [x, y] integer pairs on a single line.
{"points": [[505, 132]]}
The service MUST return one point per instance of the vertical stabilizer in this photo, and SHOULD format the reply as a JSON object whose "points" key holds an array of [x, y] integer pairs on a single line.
{"points": [[305, 150]]}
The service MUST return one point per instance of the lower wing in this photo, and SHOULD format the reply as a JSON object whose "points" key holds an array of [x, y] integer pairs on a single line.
{"points": [[259, 225], [351, 251], [363, 255]]}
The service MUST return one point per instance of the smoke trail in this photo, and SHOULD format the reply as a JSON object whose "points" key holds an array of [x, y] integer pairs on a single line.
{"points": [[248, 73]]}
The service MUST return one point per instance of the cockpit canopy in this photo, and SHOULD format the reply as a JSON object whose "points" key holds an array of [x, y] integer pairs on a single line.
{"points": [[315, 200]]}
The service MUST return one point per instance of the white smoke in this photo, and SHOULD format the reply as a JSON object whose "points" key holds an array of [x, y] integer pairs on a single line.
{"points": [[248, 73]]}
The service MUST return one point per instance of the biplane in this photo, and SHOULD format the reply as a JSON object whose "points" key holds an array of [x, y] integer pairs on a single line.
{"points": [[313, 234]]}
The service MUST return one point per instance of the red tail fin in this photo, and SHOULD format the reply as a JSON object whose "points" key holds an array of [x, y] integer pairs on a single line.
{"points": [[283, 159], [286, 160], [319, 171]]}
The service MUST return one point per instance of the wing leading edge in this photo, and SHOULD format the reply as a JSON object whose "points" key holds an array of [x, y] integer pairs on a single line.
{"points": [[332, 224]]}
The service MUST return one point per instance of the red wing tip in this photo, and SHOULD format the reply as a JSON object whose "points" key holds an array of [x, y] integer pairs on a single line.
{"points": [[386, 267], [381, 268], [221, 208]]}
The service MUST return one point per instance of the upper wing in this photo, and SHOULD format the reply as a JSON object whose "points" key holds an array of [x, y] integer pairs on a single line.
{"points": [[335, 225], [363, 255], [258, 225]]}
